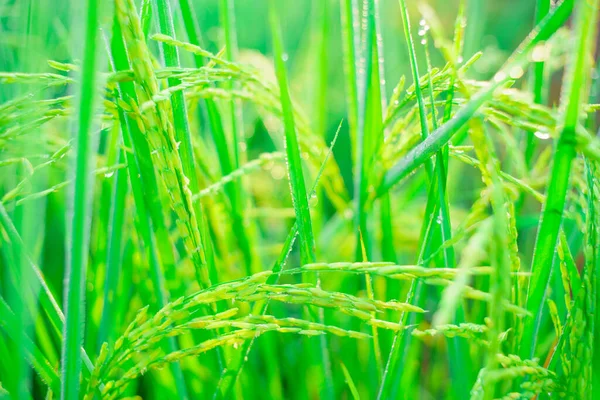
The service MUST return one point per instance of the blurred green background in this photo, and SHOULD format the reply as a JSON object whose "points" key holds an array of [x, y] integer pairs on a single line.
{"points": [[494, 27]]}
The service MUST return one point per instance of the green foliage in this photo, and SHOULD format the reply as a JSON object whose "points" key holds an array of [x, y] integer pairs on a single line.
{"points": [[197, 205]]}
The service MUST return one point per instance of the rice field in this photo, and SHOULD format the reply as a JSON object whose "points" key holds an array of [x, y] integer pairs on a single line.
{"points": [[312, 199]]}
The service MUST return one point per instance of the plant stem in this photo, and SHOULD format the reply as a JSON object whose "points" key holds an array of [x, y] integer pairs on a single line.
{"points": [[80, 221], [577, 80]]}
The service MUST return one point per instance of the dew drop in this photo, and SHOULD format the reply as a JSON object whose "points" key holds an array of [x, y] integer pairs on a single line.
{"points": [[348, 213], [439, 220], [313, 201], [109, 174], [540, 53], [500, 76], [285, 57], [516, 72], [278, 172], [542, 135]]}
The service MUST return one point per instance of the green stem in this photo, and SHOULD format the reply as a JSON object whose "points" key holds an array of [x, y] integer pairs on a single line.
{"points": [[538, 78], [577, 80], [296, 177], [145, 194], [183, 135], [80, 228], [228, 163]]}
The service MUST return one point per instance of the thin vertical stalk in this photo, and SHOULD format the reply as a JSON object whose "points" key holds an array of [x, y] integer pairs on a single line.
{"points": [[294, 162], [400, 342], [577, 81], [348, 23], [31, 353], [114, 253], [538, 79], [385, 209], [500, 278], [320, 100], [231, 50], [296, 177], [230, 376], [364, 135], [437, 209], [228, 162], [145, 194], [46, 298], [180, 119], [80, 220], [375, 104], [183, 135]]}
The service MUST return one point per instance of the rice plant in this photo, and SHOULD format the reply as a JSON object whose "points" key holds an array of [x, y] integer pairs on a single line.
{"points": [[366, 199]]}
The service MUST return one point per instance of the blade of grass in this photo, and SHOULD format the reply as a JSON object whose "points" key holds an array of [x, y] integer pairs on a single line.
{"points": [[229, 377], [577, 82], [296, 179], [350, 382], [320, 100], [375, 108], [193, 212], [80, 220], [231, 50], [139, 163], [146, 197], [33, 354], [21, 296], [366, 73], [146, 16], [229, 163], [193, 32], [29, 219], [295, 173], [437, 209], [595, 378], [460, 366], [538, 79], [180, 118], [46, 298], [401, 342], [387, 235], [113, 261], [321, 109], [500, 278], [511, 69], [350, 62]]}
